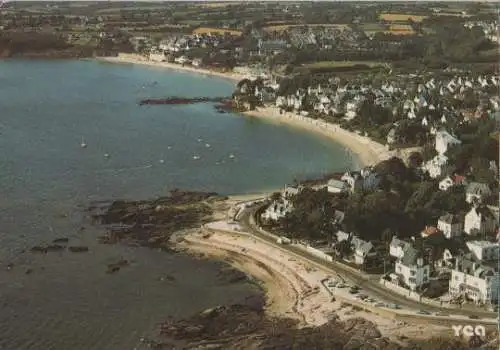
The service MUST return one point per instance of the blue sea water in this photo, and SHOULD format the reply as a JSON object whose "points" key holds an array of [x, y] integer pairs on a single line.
{"points": [[46, 181]]}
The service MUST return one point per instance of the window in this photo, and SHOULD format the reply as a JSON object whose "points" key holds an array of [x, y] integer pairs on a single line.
{"points": [[412, 273]]}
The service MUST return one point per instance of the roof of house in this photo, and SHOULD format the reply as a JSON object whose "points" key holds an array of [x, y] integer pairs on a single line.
{"points": [[430, 230], [361, 246], [449, 218], [484, 212], [342, 236], [396, 242], [410, 256], [478, 188]]}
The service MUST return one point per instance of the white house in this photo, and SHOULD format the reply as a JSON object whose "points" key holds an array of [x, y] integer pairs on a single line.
{"points": [[411, 269], [478, 191], [451, 225], [362, 250], [277, 210], [474, 280], [446, 183], [397, 247], [353, 179], [484, 250], [444, 141], [437, 166], [337, 186], [479, 220]]}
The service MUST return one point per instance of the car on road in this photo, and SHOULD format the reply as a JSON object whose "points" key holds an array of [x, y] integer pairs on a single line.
{"points": [[394, 306], [341, 285], [353, 291], [474, 317], [423, 312], [379, 305]]}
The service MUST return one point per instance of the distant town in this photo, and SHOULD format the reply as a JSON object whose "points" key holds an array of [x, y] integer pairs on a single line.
{"points": [[420, 81]]}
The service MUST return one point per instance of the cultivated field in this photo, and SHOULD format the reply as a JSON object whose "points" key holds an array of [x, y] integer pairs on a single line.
{"points": [[206, 30], [400, 17]]}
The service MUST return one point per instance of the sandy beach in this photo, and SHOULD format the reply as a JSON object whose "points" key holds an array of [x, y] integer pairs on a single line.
{"points": [[138, 59], [368, 151], [293, 286]]}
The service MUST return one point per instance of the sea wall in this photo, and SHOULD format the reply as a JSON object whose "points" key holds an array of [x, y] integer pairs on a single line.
{"points": [[400, 290]]}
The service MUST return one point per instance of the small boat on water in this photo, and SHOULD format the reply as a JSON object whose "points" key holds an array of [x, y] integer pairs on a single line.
{"points": [[196, 157], [231, 156], [207, 145], [83, 144], [106, 155], [169, 147], [199, 140], [162, 161]]}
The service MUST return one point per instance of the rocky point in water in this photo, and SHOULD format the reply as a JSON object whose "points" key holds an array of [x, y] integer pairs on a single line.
{"points": [[150, 223]]}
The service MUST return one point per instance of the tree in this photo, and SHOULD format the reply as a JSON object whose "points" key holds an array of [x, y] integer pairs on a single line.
{"points": [[415, 160]]}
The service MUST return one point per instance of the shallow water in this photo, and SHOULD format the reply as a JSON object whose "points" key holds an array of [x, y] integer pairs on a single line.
{"points": [[47, 179]]}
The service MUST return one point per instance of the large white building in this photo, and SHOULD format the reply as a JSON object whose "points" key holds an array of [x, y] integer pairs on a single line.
{"points": [[474, 280], [411, 269], [484, 250]]}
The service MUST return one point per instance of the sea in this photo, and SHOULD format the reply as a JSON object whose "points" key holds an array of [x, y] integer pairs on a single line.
{"points": [[47, 180]]}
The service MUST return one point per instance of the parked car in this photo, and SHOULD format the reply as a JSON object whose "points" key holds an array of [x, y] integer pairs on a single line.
{"points": [[441, 313], [423, 312], [379, 305], [474, 317], [353, 291], [394, 306]]}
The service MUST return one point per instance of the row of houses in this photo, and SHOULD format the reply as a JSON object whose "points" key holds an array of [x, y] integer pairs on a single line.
{"points": [[473, 270]]}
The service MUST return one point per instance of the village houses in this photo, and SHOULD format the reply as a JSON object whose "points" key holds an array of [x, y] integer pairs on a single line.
{"points": [[480, 221]]}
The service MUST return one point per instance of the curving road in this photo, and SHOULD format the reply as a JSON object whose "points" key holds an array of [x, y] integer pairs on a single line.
{"points": [[370, 286]]}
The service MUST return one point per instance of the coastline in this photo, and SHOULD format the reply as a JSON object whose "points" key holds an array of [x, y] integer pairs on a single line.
{"points": [[138, 59], [289, 283], [368, 151]]}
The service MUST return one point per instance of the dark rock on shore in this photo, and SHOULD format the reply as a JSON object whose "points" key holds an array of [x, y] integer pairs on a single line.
{"points": [[78, 249], [150, 223], [246, 327]]}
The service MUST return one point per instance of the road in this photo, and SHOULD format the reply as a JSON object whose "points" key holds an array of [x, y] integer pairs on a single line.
{"points": [[361, 280]]}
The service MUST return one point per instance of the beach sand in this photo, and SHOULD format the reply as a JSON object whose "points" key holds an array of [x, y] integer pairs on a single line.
{"points": [[290, 283], [138, 59], [368, 151]]}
